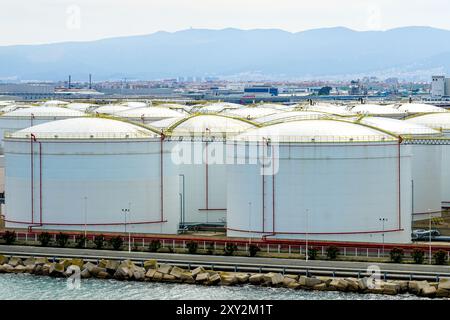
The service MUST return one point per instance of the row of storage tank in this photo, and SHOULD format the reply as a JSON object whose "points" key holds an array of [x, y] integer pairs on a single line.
{"points": [[322, 171]]}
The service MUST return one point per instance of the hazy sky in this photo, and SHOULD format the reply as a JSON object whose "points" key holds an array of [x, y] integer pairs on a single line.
{"points": [[42, 21]]}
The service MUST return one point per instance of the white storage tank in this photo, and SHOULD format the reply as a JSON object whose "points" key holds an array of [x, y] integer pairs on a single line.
{"points": [[110, 109], [199, 151], [250, 113], [147, 115], [76, 173], [425, 163], [135, 104], [82, 106], [54, 103], [291, 116], [321, 180], [441, 122], [26, 117], [329, 108], [415, 108], [377, 110], [217, 107]]}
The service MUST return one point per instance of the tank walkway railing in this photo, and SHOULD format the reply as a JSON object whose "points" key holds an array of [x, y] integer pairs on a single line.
{"points": [[272, 247]]}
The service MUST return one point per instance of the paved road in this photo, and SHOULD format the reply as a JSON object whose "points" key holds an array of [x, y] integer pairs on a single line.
{"points": [[225, 260]]}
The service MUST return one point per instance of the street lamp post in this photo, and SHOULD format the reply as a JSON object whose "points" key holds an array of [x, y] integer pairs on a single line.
{"points": [[250, 222], [126, 212], [85, 221], [429, 236], [306, 251], [383, 220]]}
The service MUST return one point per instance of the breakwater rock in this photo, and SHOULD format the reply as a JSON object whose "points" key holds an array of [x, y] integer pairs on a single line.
{"points": [[151, 270]]}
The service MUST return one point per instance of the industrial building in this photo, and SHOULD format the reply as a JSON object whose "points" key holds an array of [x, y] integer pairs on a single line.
{"points": [[440, 86]]}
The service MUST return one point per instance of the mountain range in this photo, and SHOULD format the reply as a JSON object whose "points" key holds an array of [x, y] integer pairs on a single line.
{"points": [[408, 52]]}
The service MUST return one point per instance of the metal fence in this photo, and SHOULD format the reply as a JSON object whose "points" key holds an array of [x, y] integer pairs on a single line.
{"points": [[270, 247]]}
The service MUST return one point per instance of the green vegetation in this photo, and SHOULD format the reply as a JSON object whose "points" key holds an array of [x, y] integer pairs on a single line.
{"points": [[229, 249], [154, 245], [9, 237], [396, 255], [418, 256], [44, 238], [332, 252], [99, 241], [62, 239], [80, 240], [312, 253], [440, 257], [116, 242], [192, 247], [253, 249], [210, 248]]}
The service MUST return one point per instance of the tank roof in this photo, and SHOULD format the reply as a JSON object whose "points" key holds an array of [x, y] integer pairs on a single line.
{"points": [[250, 112], [418, 108], [317, 131], [111, 109], [84, 128], [149, 112], [398, 127], [432, 120], [200, 124], [291, 116], [375, 109], [44, 112]]}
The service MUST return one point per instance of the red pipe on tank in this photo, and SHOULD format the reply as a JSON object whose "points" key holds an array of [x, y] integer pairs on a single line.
{"points": [[40, 183], [263, 189], [32, 139], [399, 185], [162, 176], [273, 191], [206, 178]]}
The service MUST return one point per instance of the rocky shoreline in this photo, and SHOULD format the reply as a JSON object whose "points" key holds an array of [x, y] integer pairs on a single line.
{"points": [[151, 270]]}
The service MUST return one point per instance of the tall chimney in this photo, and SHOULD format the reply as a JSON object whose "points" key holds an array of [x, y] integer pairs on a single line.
{"points": [[90, 81], [70, 78]]}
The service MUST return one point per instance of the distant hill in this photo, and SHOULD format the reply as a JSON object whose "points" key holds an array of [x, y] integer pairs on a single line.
{"points": [[265, 53]]}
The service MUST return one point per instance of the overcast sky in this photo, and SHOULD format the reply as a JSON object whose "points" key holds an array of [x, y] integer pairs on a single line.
{"points": [[43, 21]]}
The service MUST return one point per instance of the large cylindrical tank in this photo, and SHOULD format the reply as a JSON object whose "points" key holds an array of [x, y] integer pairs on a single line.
{"points": [[439, 121], [250, 113], [199, 153], [425, 163], [148, 114], [377, 110], [100, 174], [291, 116], [417, 108], [110, 109], [328, 108], [321, 180], [26, 117]]}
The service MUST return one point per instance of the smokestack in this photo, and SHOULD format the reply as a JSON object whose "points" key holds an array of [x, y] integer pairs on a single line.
{"points": [[90, 81], [70, 78]]}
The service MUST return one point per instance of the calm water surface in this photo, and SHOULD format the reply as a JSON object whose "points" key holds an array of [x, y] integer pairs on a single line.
{"points": [[30, 287]]}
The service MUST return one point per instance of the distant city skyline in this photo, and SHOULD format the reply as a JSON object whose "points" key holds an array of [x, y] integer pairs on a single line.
{"points": [[49, 21]]}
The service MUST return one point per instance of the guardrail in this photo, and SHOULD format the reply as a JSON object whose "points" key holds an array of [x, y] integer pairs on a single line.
{"points": [[259, 268], [269, 246]]}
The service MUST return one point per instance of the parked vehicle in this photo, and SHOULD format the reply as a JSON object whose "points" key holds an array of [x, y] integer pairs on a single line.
{"points": [[422, 234]]}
